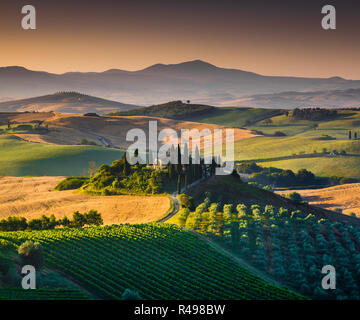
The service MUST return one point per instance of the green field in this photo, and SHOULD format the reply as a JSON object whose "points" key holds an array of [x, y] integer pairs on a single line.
{"points": [[235, 117], [338, 127], [20, 158], [159, 261], [348, 167], [273, 147]]}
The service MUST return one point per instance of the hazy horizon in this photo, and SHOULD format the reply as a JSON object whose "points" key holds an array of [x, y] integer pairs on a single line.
{"points": [[269, 38], [180, 62]]}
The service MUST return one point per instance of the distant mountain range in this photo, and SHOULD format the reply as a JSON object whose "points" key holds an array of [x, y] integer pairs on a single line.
{"points": [[67, 102], [197, 81]]}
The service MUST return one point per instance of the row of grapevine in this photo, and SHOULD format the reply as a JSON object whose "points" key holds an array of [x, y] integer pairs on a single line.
{"points": [[41, 294], [159, 261]]}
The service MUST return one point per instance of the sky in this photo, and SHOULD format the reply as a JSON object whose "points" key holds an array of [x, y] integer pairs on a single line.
{"points": [[282, 37]]}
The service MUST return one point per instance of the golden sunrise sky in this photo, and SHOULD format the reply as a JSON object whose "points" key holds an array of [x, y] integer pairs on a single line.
{"points": [[267, 37]]}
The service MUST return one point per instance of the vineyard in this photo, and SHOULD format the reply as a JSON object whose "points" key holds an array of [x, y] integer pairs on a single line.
{"points": [[158, 261], [292, 247], [41, 294]]}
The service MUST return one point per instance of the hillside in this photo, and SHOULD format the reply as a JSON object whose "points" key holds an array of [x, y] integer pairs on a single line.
{"points": [[199, 81], [229, 189], [172, 110], [225, 116], [69, 129], [20, 158], [70, 102], [158, 261], [314, 139], [287, 240], [35, 196], [345, 197], [349, 98]]}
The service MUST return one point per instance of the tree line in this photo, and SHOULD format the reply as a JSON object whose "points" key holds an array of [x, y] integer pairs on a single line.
{"points": [[79, 220]]}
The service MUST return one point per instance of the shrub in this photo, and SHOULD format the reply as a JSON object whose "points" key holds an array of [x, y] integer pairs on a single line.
{"points": [[13, 224], [71, 183], [84, 141], [279, 134], [268, 188], [294, 196], [31, 253], [6, 245], [78, 219], [186, 201], [130, 295], [93, 218], [352, 214]]}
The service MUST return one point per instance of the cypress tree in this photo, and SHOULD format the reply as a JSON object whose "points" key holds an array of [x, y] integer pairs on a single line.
{"points": [[179, 184]]}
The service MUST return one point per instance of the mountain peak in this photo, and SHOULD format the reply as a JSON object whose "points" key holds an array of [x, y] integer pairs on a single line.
{"points": [[13, 68], [187, 66]]}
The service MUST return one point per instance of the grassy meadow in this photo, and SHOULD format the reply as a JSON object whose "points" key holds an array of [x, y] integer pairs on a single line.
{"points": [[235, 117], [20, 158], [306, 144]]}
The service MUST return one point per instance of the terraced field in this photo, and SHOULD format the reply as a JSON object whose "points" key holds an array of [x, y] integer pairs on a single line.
{"points": [[159, 261]]}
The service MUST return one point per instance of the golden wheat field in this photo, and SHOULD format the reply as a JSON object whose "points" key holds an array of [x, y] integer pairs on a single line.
{"points": [[33, 197], [345, 197]]}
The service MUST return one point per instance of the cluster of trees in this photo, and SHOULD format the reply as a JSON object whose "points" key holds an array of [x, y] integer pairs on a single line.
{"points": [[28, 253], [173, 109], [353, 136], [313, 114], [91, 218], [186, 172], [269, 176], [71, 183], [292, 246], [294, 196], [120, 176], [283, 178]]}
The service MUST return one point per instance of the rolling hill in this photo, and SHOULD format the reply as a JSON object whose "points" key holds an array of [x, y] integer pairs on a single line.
{"points": [[71, 102], [345, 197], [226, 116], [159, 261], [21, 158], [69, 128], [31, 197], [349, 98], [196, 80]]}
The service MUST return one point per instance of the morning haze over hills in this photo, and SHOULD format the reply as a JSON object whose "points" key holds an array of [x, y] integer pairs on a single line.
{"points": [[196, 80]]}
